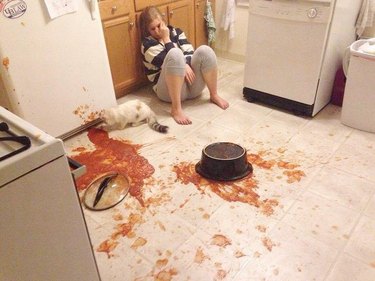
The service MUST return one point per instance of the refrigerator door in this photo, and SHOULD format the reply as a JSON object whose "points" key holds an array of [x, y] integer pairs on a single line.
{"points": [[56, 72]]}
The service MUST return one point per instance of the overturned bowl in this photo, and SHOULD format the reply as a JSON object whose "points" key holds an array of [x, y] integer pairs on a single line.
{"points": [[223, 161]]}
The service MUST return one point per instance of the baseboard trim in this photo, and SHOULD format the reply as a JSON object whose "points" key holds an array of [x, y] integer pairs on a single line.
{"points": [[230, 56]]}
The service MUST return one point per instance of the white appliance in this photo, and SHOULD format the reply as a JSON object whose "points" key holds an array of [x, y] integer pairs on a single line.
{"points": [[294, 49], [55, 72], [358, 109], [43, 234]]}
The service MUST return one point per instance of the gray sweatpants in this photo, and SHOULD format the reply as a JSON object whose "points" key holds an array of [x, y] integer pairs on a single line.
{"points": [[204, 59]]}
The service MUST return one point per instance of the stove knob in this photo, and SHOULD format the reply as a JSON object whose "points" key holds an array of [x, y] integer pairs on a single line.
{"points": [[312, 13]]}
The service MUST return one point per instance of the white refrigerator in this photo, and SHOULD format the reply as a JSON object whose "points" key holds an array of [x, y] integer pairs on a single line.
{"points": [[54, 70]]}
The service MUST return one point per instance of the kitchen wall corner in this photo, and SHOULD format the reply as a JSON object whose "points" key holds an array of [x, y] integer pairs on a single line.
{"points": [[235, 48], [4, 100]]}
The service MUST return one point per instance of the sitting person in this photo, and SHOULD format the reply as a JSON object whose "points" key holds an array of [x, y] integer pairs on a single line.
{"points": [[176, 70]]}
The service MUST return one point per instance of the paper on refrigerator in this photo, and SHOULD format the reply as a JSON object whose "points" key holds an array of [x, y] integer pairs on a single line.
{"points": [[57, 8]]}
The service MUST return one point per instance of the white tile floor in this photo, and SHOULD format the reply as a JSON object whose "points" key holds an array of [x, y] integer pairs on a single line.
{"points": [[322, 227]]}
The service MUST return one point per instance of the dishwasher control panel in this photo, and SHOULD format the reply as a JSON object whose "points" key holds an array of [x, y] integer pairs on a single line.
{"points": [[304, 11]]}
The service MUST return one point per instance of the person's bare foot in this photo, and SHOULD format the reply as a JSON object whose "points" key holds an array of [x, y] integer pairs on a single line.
{"points": [[220, 102], [180, 117]]}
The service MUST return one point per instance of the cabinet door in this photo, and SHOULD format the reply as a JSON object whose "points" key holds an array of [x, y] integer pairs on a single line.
{"points": [[113, 8], [181, 15], [141, 4], [122, 43], [200, 24], [164, 13]]}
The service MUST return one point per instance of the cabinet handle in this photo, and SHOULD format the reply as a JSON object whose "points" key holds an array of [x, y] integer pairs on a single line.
{"points": [[171, 13], [114, 9], [197, 5], [163, 14], [131, 24]]}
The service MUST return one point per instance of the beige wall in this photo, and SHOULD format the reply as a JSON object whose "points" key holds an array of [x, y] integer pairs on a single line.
{"points": [[233, 49], [369, 32]]}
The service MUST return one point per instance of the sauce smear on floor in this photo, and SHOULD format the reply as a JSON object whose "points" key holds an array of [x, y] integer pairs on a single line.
{"points": [[111, 155]]}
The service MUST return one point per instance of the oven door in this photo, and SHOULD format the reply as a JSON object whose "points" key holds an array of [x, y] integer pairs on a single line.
{"points": [[77, 168], [43, 230]]}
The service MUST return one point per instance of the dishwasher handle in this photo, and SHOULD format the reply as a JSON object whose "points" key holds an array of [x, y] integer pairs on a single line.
{"points": [[77, 168]]}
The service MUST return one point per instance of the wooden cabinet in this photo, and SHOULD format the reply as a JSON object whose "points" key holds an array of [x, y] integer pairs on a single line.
{"points": [[123, 44], [178, 13], [181, 14], [141, 4], [113, 8], [122, 34]]}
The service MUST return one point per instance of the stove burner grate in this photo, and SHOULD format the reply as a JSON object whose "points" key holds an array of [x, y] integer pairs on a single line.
{"points": [[12, 137]]}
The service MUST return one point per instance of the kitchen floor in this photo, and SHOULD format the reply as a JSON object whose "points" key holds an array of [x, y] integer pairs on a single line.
{"points": [[306, 213]]}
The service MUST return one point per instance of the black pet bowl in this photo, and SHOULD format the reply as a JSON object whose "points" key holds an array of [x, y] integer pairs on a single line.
{"points": [[223, 161]]}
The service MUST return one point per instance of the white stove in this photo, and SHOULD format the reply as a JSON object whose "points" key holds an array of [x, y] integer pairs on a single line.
{"points": [[43, 231], [42, 147]]}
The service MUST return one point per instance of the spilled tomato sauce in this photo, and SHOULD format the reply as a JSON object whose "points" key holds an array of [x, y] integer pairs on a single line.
{"points": [[121, 156], [111, 155], [231, 191], [242, 190]]}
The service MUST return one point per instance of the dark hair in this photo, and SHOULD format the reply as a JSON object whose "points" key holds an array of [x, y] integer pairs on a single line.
{"points": [[147, 16]]}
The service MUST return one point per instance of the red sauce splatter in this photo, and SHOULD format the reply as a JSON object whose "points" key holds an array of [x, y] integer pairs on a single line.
{"points": [[267, 242], [111, 155], [86, 114], [121, 230], [79, 149], [6, 63], [221, 274], [234, 191], [107, 246], [220, 240], [200, 256], [161, 263], [165, 275], [257, 159], [242, 190]]}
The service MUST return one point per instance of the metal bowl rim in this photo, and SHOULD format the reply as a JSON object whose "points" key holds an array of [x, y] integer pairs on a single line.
{"points": [[221, 159]]}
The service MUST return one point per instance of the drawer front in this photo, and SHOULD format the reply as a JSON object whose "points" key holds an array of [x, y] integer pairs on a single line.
{"points": [[113, 8], [141, 4]]}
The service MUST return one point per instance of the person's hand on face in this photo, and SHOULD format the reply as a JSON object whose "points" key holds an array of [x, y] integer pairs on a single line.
{"points": [[159, 30], [164, 32]]}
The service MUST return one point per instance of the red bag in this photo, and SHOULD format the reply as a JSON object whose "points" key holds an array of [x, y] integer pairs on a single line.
{"points": [[338, 87]]}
